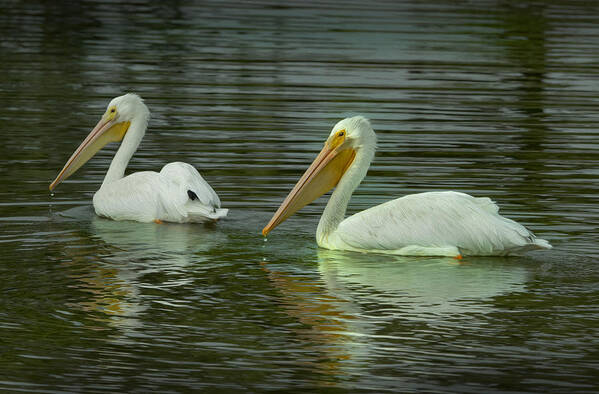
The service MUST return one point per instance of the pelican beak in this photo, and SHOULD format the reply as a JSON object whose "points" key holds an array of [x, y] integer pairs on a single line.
{"points": [[323, 174], [107, 130]]}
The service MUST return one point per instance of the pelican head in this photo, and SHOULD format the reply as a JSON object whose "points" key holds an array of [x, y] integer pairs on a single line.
{"points": [[112, 127], [359, 132], [350, 137]]}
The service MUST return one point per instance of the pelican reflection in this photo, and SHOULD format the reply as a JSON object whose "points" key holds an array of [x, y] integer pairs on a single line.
{"points": [[127, 255], [355, 307]]}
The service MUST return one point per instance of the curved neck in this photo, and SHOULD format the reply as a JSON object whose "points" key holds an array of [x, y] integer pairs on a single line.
{"points": [[334, 212], [128, 147]]}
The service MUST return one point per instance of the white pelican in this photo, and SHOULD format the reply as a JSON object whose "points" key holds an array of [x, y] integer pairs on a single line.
{"points": [[425, 224], [178, 193]]}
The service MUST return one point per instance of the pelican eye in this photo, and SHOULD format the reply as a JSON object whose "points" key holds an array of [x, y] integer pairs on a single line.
{"points": [[111, 113]]}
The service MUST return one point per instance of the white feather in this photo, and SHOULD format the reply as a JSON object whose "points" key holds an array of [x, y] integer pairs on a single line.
{"points": [[439, 221], [147, 196]]}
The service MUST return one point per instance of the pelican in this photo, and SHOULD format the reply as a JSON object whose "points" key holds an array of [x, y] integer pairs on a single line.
{"points": [[178, 193], [444, 223]]}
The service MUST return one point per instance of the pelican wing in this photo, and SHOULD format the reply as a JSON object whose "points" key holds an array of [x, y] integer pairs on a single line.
{"points": [[189, 193], [177, 194], [437, 220]]}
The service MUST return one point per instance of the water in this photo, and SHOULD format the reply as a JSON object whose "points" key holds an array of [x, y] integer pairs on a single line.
{"points": [[492, 99]]}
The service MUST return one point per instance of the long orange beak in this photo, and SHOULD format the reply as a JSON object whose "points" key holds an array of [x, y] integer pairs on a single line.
{"points": [[323, 174], [107, 130]]}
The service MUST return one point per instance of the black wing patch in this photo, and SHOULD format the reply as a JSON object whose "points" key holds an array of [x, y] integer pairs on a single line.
{"points": [[192, 195]]}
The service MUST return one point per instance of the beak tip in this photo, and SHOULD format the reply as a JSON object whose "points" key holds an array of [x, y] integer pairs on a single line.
{"points": [[265, 232]]}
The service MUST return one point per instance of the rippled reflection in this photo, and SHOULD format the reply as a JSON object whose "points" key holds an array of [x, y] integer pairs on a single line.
{"points": [[428, 289], [360, 301], [127, 257]]}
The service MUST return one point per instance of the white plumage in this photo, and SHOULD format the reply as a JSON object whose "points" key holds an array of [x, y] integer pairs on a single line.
{"points": [[435, 223], [178, 193], [426, 224], [147, 196]]}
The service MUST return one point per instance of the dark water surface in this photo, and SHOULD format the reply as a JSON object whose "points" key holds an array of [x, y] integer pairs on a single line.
{"points": [[495, 99]]}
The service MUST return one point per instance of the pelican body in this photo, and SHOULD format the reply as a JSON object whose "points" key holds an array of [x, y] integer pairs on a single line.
{"points": [[444, 223], [177, 193]]}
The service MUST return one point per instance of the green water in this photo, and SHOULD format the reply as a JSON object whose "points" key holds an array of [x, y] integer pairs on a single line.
{"points": [[494, 99]]}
